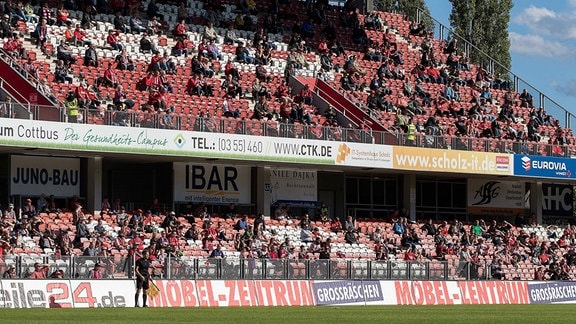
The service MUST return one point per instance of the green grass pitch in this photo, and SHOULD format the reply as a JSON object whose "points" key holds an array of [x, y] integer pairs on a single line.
{"points": [[300, 315]]}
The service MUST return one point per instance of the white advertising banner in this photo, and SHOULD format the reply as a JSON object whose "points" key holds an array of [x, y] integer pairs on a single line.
{"points": [[212, 183], [291, 186], [36, 175], [66, 294], [136, 140], [485, 195]]}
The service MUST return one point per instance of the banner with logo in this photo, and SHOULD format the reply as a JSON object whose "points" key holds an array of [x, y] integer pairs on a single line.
{"points": [[294, 186], [493, 197], [180, 143], [66, 293], [557, 200], [544, 167], [36, 175], [435, 160], [212, 183], [251, 293]]}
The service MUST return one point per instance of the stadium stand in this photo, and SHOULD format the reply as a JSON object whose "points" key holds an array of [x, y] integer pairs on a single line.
{"points": [[137, 66]]}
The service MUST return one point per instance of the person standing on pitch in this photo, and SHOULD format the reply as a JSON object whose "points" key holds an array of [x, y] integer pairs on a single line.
{"points": [[142, 278]]}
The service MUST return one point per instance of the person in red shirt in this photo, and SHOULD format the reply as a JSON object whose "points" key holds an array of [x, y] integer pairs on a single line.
{"points": [[155, 62], [410, 255], [229, 68], [97, 272], [110, 79], [306, 95], [180, 30], [180, 47], [112, 40], [156, 98], [78, 36], [323, 47], [62, 16], [40, 271], [193, 86]]}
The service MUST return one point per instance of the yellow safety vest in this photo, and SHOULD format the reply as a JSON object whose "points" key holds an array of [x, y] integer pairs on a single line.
{"points": [[72, 107], [411, 132]]}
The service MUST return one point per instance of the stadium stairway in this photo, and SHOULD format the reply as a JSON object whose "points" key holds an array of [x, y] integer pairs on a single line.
{"points": [[25, 92]]}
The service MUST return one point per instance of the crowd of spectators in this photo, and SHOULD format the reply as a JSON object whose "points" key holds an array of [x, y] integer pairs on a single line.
{"points": [[501, 250], [483, 106]]}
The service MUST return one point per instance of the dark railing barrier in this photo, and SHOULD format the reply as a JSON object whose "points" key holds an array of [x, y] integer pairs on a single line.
{"points": [[318, 132], [121, 266]]}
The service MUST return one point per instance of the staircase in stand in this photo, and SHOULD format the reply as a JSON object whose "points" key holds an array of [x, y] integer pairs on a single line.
{"points": [[351, 111]]}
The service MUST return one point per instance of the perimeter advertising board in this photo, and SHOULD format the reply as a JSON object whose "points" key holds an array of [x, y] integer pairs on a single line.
{"points": [[544, 167], [248, 293], [453, 161]]}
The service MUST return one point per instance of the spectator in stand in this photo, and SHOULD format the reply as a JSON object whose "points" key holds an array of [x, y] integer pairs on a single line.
{"points": [[526, 99], [263, 55], [109, 79], [183, 13], [40, 34], [136, 25], [146, 45], [242, 54], [213, 51], [230, 68], [232, 87], [86, 97], [228, 110], [62, 16], [166, 64], [7, 108], [61, 73], [120, 98], [64, 53], [153, 11], [16, 12], [10, 273], [124, 61], [31, 70], [230, 36], [40, 271], [210, 32], [14, 47], [112, 40], [46, 13], [154, 26], [155, 62], [5, 27], [97, 272], [77, 36], [180, 47], [156, 98], [180, 30], [91, 56]]}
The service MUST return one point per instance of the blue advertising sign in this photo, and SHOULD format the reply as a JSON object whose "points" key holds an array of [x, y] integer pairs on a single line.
{"points": [[346, 292], [544, 166], [552, 292]]}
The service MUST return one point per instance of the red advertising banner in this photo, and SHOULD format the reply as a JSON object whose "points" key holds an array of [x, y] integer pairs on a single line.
{"points": [[236, 293]]}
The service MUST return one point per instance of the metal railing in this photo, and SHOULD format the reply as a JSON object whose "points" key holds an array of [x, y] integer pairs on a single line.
{"points": [[32, 80], [67, 267], [121, 267], [317, 132]]}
